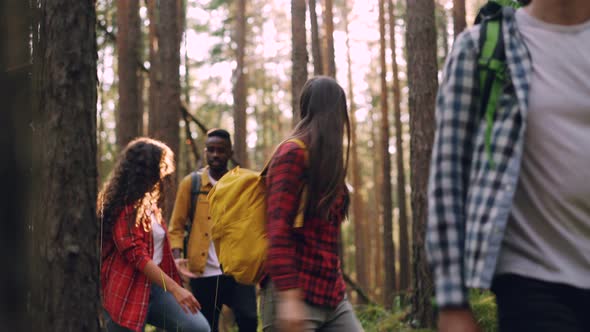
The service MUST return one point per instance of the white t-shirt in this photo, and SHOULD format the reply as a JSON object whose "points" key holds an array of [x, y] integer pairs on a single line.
{"points": [[548, 233], [212, 267], [159, 235]]}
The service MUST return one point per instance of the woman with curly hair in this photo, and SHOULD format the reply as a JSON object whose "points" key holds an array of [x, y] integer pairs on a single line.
{"points": [[140, 282]]}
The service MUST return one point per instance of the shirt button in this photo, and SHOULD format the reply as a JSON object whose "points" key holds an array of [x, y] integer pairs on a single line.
{"points": [[206, 234], [203, 254]]}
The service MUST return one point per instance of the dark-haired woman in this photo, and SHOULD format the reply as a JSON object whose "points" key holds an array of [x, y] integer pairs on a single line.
{"points": [[139, 280], [306, 290]]}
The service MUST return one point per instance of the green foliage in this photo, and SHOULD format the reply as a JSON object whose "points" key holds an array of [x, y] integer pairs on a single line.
{"points": [[376, 319], [483, 304]]}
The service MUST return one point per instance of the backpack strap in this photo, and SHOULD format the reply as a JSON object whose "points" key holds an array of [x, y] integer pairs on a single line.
{"points": [[195, 191], [492, 66], [297, 141]]}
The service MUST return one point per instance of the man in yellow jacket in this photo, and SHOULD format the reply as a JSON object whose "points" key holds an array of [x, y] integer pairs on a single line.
{"points": [[211, 288]]}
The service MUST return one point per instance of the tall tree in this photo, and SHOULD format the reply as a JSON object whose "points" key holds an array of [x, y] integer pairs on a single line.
{"points": [[155, 75], [459, 22], [360, 225], [316, 49], [15, 148], [329, 25], [129, 113], [167, 128], [386, 200], [376, 210], [422, 81], [240, 86], [404, 246], [299, 54], [64, 228]]}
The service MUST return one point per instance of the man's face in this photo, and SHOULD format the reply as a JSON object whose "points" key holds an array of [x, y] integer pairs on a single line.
{"points": [[217, 152]]}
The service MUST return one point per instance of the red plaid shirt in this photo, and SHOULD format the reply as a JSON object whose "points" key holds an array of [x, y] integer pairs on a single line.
{"points": [[125, 289], [307, 257]]}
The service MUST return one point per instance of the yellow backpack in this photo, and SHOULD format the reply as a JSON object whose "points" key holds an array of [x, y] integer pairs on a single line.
{"points": [[237, 207]]}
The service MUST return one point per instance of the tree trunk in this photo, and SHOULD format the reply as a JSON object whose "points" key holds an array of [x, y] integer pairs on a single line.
{"points": [[155, 75], [299, 54], [167, 129], [422, 82], [316, 48], [442, 24], [404, 247], [129, 114], [459, 23], [360, 226], [64, 230], [376, 211], [15, 148], [187, 72], [329, 24], [386, 200], [240, 79]]}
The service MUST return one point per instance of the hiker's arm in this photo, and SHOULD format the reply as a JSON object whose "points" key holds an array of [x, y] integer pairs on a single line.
{"points": [[179, 216], [456, 112], [284, 177]]}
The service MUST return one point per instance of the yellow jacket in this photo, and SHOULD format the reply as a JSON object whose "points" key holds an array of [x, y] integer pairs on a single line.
{"points": [[200, 234]]}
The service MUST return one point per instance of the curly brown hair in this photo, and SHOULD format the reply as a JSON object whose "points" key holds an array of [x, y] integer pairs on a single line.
{"points": [[137, 180]]}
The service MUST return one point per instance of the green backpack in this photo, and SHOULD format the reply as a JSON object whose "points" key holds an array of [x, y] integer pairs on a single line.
{"points": [[492, 66]]}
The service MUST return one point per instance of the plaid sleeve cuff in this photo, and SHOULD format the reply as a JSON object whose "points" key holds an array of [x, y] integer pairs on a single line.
{"points": [[141, 263], [451, 291]]}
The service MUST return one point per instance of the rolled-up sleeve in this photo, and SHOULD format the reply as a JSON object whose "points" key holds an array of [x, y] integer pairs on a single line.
{"points": [[130, 240]]}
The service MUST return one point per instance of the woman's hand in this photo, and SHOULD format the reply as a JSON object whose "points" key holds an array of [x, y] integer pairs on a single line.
{"points": [[185, 298], [291, 311]]}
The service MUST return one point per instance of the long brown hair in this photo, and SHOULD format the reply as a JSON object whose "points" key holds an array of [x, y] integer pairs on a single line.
{"points": [[324, 119], [137, 181]]}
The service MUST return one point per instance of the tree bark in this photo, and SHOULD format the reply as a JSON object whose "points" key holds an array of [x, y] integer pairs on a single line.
{"points": [[459, 22], [64, 230], [155, 75], [299, 54], [404, 247], [167, 128], [360, 225], [15, 148], [329, 25], [129, 114], [386, 199], [240, 79], [422, 81], [316, 48]]}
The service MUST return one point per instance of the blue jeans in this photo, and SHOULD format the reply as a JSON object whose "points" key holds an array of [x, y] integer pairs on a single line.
{"points": [[164, 312]]}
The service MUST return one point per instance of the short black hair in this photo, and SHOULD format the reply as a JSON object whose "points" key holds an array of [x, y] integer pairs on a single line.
{"points": [[217, 132]]}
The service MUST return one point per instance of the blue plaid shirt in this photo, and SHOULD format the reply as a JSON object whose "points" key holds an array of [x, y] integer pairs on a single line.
{"points": [[470, 197]]}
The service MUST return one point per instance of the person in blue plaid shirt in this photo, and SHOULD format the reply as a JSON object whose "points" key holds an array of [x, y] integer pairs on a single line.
{"points": [[511, 211]]}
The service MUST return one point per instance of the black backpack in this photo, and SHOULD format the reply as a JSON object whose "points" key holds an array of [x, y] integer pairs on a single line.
{"points": [[195, 191]]}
